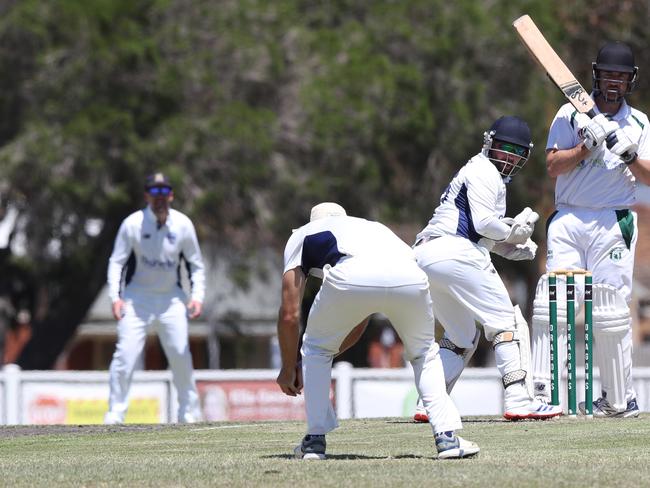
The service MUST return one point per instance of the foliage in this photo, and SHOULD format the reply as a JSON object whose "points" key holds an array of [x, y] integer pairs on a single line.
{"points": [[258, 110]]}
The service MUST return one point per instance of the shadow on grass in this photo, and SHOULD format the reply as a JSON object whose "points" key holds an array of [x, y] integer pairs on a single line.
{"points": [[350, 457], [493, 420]]}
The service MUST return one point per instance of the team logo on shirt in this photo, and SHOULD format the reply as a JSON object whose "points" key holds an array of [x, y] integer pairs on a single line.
{"points": [[171, 237], [549, 254], [616, 254]]}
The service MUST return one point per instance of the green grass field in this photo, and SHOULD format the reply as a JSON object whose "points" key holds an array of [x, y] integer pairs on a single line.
{"points": [[361, 453]]}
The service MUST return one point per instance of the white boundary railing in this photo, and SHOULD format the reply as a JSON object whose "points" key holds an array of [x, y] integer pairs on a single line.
{"points": [[28, 397]]}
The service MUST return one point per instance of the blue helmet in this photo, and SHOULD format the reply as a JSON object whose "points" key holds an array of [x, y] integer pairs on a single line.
{"points": [[513, 134]]}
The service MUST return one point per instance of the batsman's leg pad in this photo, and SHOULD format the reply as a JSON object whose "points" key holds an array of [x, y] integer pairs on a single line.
{"points": [[524, 349], [612, 330], [455, 359], [540, 342]]}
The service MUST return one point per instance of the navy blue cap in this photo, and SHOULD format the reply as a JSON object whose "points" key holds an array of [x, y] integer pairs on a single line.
{"points": [[156, 179]]}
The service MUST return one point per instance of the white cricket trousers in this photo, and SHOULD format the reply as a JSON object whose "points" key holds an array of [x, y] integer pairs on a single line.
{"points": [[167, 314], [351, 291]]}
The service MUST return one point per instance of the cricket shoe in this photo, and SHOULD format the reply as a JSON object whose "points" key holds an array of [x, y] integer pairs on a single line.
{"points": [[189, 418], [312, 447], [603, 409], [112, 418], [534, 410], [420, 415], [451, 446]]}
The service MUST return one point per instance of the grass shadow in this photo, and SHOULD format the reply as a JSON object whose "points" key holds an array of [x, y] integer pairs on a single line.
{"points": [[349, 457]]}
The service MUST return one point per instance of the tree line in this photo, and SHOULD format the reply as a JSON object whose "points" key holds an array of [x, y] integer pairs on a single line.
{"points": [[257, 110]]}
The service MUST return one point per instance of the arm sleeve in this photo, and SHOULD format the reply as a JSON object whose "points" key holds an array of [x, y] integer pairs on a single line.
{"points": [[192, 254], [644, 144], [293, 251], [121, 251], [482, 194], [563, 133]]}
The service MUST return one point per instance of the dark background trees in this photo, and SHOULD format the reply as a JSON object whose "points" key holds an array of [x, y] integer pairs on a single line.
{"points": [[257, 110]]}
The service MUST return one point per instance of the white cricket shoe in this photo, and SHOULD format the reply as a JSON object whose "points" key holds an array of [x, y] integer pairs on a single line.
{"points": [[451, 446], [188, 418], [534, 410], [602, 408], [113, 418]]}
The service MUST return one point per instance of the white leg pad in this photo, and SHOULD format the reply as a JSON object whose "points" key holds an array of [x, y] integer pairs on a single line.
{"points": [[524, 349], [540, 342], [612, 344]]}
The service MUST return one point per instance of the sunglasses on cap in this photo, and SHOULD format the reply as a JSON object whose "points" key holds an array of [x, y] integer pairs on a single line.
{"points": [[156, 191], [512, 148]]}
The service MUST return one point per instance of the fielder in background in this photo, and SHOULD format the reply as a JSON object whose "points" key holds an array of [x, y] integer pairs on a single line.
{"points": [[149, 249], [365, 269], [454, 251], [596, 163]]}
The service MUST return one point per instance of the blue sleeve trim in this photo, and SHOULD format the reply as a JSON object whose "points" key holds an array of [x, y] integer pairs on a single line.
{"points": [[318, 250]]}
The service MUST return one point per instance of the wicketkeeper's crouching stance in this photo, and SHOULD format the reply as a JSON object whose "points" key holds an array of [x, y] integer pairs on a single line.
{"points": [[454, 250], [366, 269]]}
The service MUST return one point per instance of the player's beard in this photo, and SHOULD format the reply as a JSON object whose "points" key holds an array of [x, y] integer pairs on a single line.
{"points": [[160, 208]]}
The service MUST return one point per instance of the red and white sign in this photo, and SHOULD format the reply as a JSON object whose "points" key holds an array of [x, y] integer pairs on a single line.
{"points": [[249, 400]]}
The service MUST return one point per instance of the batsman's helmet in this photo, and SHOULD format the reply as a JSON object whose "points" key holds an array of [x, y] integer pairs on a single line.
{"points": [[515, 133], [614, 56]]}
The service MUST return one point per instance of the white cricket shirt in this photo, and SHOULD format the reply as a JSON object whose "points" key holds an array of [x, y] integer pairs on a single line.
{"points": [[329, 241], [472, 205], [602, 180], [153, 255]]}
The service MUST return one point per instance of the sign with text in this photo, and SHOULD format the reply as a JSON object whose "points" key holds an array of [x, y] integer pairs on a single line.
{"points": [[249, 400], [86, 403]]}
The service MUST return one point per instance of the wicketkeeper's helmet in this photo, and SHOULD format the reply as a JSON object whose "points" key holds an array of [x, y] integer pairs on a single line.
{"points": [[513, 131]]}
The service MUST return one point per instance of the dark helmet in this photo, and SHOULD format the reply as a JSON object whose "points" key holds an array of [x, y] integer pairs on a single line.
{"points": [[515, 131], [614, 56]]}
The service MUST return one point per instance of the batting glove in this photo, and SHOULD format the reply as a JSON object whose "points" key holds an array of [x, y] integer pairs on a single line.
{"points": [[596, 131], [620, 144]]}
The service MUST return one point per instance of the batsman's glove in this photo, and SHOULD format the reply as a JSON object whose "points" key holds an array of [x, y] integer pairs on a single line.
{"points": [[596, 131], [620, 144]]}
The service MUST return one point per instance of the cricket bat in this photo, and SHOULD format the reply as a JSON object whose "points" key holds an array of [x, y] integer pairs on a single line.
{"points": [[557, 71]]}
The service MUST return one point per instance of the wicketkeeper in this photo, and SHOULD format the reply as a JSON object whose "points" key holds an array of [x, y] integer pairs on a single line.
{"points": [[454, 250]]}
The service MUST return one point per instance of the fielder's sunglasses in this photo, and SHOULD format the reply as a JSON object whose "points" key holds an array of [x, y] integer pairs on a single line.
{"points": [[513, 148], [155, 191]]}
